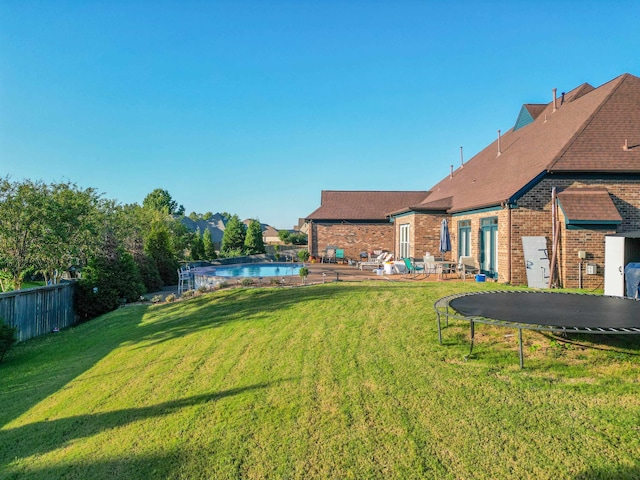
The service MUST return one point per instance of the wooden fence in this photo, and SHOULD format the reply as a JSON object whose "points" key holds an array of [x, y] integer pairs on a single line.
{"points": [[38, 311]]}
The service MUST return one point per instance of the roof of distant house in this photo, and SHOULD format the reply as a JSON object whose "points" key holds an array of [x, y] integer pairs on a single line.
{"points": [[588, 130], [363, 205]]}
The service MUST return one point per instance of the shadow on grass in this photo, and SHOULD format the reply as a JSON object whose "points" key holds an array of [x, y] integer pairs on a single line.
{"points": [[38, 368], [42, 437]]}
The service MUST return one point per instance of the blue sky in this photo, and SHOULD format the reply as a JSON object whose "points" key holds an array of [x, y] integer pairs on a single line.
{"points": [[255, 107]]}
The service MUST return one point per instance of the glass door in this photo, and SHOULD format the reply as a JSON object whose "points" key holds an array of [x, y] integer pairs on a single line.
{"points": [[404, 240], [489, 246]]}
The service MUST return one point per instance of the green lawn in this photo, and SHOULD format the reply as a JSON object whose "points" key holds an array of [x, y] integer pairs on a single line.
{"points": [[342, 380]]}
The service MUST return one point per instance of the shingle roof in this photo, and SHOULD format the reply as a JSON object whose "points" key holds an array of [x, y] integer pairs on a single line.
{"points": [[584, 205], [363, 205], [585, 134]]}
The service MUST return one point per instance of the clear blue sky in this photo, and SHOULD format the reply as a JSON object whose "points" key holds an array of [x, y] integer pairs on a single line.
{"points": [[255, 107]]}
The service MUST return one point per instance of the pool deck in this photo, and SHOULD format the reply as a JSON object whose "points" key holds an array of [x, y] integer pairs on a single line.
{"points": [[331, 272]]}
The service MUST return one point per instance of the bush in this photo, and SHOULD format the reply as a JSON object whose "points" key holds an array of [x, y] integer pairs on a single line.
{"points": [[107, 283], [188, 293], [247, 282], [7, 338], [170, 298], [303, 255], [156, 299]]}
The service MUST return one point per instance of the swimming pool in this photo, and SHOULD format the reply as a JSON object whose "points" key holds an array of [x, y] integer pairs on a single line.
{"points": [[251, 270], [258, 270]]}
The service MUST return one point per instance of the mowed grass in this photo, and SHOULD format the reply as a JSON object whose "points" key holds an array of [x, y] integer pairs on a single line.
{"points": [[342, 380]]}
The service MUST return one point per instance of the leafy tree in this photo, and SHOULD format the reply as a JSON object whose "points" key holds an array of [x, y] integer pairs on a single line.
{"points": [[22, 210], [253, 242], [207, 216], [283, 235], [298, 238], [209, 247], [161, 201], [70, 229], [194, 216], [234, 235]]}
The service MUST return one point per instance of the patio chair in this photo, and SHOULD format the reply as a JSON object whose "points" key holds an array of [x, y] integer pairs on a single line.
{"points": [[414, 269], [329, 255], [466, 266]]}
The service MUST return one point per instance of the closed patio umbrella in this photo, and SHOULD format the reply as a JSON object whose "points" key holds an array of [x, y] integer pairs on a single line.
{"points": [[445, 238]]}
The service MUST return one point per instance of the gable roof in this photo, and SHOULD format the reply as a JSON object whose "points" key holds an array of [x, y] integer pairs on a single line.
{"points": [[363, 205], [585, 133], [588, 205]]}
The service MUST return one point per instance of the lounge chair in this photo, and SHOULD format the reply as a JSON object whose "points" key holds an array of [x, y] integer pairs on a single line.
{"points": [[414, 269], [466, 266], [376, 262]]}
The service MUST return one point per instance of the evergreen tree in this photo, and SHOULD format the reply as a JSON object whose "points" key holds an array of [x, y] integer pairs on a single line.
{"points": [[234, 234], [253, 243], [197, 246], [209, 247]]}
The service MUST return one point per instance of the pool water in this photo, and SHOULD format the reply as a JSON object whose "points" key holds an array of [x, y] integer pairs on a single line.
{"points": [[257, 270]]}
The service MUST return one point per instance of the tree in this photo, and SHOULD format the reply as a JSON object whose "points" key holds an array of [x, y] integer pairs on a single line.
{"points": [[158, 246], [70, 230], [197, 246], [253, 242], [161, 201], [283, 235], [22, 210], [209, 247], [234, 235]]}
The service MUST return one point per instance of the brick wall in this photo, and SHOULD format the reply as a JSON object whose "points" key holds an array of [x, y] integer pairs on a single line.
{"points": [[424, 234], [533, 217], [353, 238]]}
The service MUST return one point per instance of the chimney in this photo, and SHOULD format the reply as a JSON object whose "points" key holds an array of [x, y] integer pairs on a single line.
{"points": [[499, 148], [555, 90], [461, 158]]}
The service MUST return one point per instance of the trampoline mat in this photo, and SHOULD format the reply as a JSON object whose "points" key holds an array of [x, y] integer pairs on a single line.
{"points": [[552, 309]]}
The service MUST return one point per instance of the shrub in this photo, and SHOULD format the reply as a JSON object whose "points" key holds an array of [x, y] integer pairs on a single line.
{"points": [[7, 338], [170, 298], [304, 272], [108, 282], [203, 289], [188, 293], [156, 299], [247, 282], [303, 255]]}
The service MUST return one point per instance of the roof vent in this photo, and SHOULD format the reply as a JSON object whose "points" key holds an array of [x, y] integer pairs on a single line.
{"points": [[461, 158], [625, 147], [555, 90], [562, 98], [451, 174], [499, 148]]}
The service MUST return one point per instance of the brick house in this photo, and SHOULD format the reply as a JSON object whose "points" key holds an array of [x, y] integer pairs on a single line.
{"points": [[356, 221], [584, 145]]}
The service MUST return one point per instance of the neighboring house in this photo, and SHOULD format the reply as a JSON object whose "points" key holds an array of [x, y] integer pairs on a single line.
{"points": [[356, 221], [215, 224], [585, 145]]}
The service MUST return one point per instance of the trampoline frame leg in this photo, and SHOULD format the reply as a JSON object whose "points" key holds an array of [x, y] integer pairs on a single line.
{"points": [[473, 334], [439, 329], [520, 344]]}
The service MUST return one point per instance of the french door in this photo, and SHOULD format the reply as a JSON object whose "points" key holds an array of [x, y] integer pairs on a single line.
{"points": [[489, 246]]}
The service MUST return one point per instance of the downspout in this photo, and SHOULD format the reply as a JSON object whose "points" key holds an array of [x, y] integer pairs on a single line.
{"points": [[507, 205]]}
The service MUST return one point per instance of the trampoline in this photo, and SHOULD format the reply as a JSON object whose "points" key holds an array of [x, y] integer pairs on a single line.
{"points": [[543, 311]]}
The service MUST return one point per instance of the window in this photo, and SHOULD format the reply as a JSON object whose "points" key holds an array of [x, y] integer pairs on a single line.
{"points": [[404, 240], [464, 238]]}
